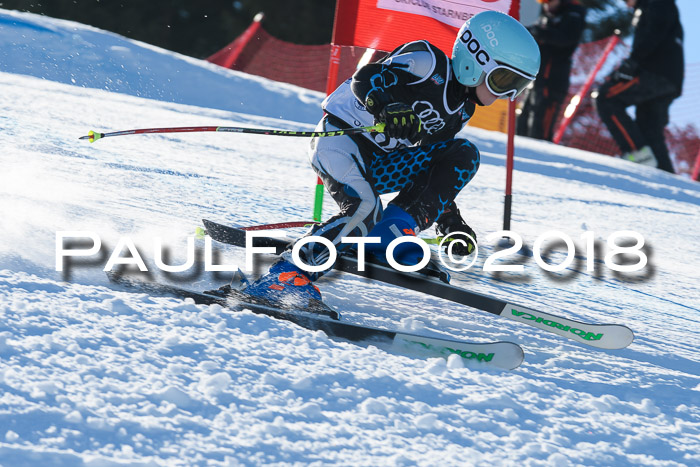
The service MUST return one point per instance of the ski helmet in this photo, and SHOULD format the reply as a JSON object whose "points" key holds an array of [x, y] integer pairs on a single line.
{"points": [[495, 47]]}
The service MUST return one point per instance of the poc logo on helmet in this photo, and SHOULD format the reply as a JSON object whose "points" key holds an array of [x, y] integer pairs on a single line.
{"points": [[490, 34], [475, 48]]}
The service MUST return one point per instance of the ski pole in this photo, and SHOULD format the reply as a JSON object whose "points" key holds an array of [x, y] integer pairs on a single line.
{"points": [[93, 136], [201, 232]]}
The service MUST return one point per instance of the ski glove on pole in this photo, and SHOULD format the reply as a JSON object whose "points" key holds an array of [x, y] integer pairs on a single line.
{"points": [[400, 120]]}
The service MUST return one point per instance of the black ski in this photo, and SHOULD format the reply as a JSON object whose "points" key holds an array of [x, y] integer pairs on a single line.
{"points": [[605, 336], [505, 355]]}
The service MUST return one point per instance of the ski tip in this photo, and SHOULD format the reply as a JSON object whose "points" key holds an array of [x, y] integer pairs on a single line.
{"points": [[501, 354], [200, 233], [624, 336], [608, 337]]}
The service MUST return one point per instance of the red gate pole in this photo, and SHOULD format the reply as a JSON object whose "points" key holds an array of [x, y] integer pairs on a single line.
{"points": [[576, 100], [696, 169], [227, 57]]}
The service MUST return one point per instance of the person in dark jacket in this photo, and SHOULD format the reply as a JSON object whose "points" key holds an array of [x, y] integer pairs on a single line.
{"points": [[649, 79], [558, 33]]}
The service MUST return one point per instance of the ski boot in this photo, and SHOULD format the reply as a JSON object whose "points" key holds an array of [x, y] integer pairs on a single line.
{"points": [[451, 222], [395, 223], [287, 287]]}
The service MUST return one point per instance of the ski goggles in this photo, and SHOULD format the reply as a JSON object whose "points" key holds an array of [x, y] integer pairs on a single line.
{"points": [[501, 80]]}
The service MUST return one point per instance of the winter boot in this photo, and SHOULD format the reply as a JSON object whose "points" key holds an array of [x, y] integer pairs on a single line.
{"points": [[395, 223], [285, 285], [643, 156]]}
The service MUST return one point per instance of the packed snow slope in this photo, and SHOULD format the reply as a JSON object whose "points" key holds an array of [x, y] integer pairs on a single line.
{"points": [[93, 374], [84, 56]]}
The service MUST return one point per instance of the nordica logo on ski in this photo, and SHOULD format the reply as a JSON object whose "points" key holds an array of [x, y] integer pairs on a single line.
{"points": [[586, 335], [466, 354]]}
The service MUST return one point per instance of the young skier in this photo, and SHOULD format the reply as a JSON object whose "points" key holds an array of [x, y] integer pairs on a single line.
{"points": [[424, 98]]}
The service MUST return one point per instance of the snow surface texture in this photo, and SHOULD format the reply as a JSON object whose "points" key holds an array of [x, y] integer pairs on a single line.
{"points": [[92, 374]]}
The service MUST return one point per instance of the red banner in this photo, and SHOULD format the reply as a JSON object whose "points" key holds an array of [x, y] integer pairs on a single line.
{"points": [[386, 24]]}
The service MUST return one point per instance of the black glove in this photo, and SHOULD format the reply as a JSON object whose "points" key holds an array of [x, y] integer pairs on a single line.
{"points": [[626, 71], [401, 121]]}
